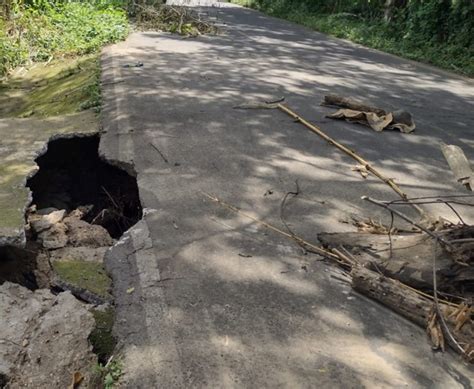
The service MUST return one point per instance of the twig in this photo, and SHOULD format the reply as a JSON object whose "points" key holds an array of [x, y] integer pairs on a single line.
{"points": [[320, 250], [453, 342], [110, 197], [282, 208], [159, 152], [390, 235], [317, 249], [406, 218]]}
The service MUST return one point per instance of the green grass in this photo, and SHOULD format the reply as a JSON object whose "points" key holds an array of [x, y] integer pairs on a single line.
{"points": [[57, 31], [376, 34]]}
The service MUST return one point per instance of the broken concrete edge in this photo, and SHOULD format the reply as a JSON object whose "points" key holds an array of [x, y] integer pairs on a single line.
{"points": [[111, 90], [18, 238], [120, 263]]}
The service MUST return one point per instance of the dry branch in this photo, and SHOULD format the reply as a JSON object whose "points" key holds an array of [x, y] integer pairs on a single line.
{"points": [[347, 102], [352, 154], [415, 307]]}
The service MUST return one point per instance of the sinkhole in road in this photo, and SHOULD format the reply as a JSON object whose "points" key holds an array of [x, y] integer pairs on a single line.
{"points": [[72, 176]]}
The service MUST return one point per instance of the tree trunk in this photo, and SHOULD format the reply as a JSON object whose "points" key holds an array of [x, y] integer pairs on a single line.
{"points": [[390, 8]]}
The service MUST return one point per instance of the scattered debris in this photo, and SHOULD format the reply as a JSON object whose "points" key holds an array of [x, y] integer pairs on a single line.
{"points": [[31, 352], [277, 104], [459, 165], [415, 307], [377, 123], [407, 258], [375, 118], [176, 19], [372, 267]]}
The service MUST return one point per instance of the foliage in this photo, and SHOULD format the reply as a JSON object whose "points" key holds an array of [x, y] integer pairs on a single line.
{"points": [[38, 30], [440, 32], [111, 373]]}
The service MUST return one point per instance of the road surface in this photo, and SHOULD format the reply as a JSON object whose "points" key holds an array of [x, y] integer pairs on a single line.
{"points": [[209, 298]]}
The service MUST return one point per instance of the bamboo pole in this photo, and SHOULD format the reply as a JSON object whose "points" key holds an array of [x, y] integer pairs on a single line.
{"points": [[351, 153]]}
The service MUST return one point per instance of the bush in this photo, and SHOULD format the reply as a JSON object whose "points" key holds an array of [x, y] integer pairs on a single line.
{"points": [[43, 29]]}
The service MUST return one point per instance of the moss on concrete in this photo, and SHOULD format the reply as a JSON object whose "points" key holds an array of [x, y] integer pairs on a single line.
{"points": [[51, 89], [87, 275]]}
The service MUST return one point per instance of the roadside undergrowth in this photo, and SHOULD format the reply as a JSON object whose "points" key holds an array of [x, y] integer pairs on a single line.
{"points": [[47, 30]]}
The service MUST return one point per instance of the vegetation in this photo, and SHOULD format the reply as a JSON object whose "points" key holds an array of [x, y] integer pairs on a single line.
{"points": [[59, 88], [110, 374], [101, 338], [40, 30], [440, 32], [87, 275]]}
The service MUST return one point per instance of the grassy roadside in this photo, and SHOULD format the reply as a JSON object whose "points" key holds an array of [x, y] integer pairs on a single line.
{"points": [[375, 33], [57, 30]]}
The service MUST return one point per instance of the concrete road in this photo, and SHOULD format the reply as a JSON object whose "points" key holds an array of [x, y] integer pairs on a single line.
{"points": [[209, 298]]}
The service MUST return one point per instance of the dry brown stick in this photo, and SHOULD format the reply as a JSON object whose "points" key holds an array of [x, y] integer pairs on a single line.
{"points": [[347, 102], [402, 300], [444, 327], [351, 153], [322, 251], [317, 249]]}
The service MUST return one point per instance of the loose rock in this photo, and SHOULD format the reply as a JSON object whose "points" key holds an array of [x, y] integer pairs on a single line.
{"points": [[55, 237], [41, 223], [44, 335]]}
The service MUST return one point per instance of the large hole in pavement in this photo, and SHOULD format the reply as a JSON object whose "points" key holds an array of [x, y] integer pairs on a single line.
{"points": [[72, 175]]}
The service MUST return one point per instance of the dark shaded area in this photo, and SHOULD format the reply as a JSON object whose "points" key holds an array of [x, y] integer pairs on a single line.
{"points": [[3, 380], [72, 175], [102, 340], [18, 265]]}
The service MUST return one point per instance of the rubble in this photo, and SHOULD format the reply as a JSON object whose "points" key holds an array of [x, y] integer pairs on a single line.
{"points": [[44, 338]]}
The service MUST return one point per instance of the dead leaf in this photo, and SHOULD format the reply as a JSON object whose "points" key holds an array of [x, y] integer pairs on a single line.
{"points": [[373, 120], [130, 290], [77, 378], [435, 333]]}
